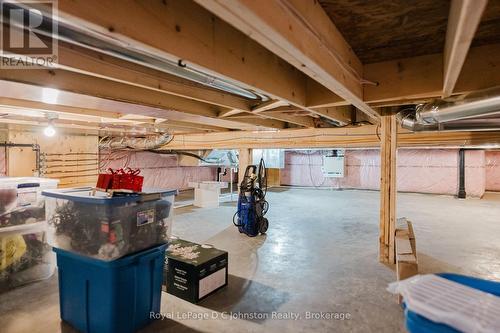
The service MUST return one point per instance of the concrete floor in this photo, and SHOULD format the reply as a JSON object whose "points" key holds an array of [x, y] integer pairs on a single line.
{"points": [[320, 255]]}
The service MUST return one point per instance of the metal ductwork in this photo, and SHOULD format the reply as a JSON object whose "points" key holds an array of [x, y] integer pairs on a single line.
{"points": [[141, 143], [470, 112], [93, 40]]}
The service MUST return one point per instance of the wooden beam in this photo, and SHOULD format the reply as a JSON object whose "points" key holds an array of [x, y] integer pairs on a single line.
{"points": [[244, 160], [182, 30], [230, 112], [18, 103], [345, 137], [85, 61], [463, 21], [388, 150], [301, 121], [269, 105], [188, 125], [94, 86], [34, 92], [269, 123], [301, 33], [318, 96], [422, 77], [340, 114]]}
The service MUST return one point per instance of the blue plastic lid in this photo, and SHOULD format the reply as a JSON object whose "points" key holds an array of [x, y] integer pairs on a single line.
{"points": [[84, 195], [118, 262]]}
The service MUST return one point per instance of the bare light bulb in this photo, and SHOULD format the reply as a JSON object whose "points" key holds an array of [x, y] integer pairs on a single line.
{"points": [[49, 131]]}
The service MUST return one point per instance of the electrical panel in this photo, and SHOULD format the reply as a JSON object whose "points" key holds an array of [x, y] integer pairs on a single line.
{"points": [[334, 164]]}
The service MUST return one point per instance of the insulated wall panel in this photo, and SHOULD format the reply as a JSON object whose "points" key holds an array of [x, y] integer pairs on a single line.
{"points": [[492, 170], [423, 171], [2, 161], [160, 171]]}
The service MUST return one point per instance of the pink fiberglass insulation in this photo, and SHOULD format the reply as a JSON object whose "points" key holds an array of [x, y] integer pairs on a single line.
{"points": [[304, 169], [423, 171], [2, 162], [492, 170], [159, 171]]}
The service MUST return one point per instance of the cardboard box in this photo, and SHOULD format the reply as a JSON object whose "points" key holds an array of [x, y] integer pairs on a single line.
{"points": [[194, 271], [406, 251]]}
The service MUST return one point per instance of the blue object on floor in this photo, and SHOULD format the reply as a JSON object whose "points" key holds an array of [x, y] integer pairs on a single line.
{"points": [[110, 296], [416, 323]]}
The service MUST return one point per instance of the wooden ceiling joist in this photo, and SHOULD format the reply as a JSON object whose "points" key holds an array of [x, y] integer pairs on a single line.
{"points": [[301, 121], [345, 137], [422, 77], [340, 114], [364, 136], [10, 90], [463, 21], [95, 86], [81, 60], [34, 105], [301, 33], [182, 30]]}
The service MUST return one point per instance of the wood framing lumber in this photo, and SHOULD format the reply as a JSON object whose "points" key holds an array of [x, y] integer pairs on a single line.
{"points": [[95, 86], [363, 136], [422, 77], [244, 160], [86, 61], [463, 21], [182, 30], [343, 137], [297, 120], [283, 27], [34, 93], [388, 150], [269, 105]]}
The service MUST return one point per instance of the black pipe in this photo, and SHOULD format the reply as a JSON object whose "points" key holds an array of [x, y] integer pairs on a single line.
{"points": [[461, 171]]}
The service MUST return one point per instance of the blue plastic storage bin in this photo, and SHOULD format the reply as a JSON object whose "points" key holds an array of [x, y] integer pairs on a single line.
{"points": [[110, 296], [416, 323]]}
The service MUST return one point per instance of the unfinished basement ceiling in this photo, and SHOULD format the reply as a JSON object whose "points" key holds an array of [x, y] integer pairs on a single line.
{"points": [[488, 31], [386, 30]]}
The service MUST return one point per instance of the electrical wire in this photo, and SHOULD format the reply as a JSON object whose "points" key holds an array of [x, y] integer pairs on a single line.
{"points": [[178, 152]]}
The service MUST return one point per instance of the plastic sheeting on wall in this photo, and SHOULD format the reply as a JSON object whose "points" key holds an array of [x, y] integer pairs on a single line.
{"points": [[3, 162], [492, 170], [160, 171], [422, 170]]}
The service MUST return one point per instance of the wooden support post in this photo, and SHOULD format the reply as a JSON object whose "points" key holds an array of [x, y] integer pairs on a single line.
{"points": [[245, 159], [388, 189]]}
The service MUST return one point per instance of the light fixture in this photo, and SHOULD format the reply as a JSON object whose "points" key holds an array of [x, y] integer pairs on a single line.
{"points": [[49, 95], [50, 130]]}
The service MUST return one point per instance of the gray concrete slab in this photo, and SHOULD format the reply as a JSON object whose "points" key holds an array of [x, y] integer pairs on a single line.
{"points": [[319, 256]]}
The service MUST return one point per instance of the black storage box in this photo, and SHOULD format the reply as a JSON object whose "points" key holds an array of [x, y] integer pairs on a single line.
{"points": [[194, 271]]}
